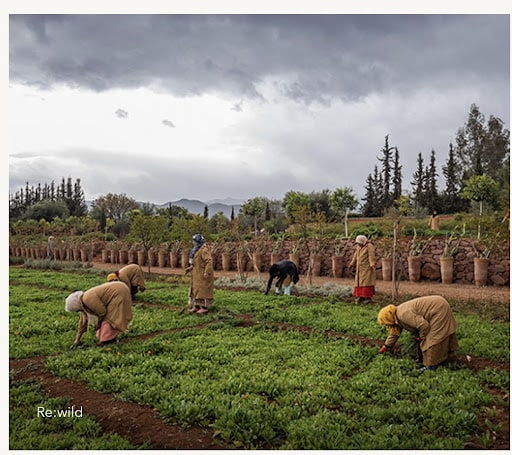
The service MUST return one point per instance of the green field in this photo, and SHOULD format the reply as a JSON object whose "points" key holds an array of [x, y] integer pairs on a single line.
{"points": [[279, 382]]}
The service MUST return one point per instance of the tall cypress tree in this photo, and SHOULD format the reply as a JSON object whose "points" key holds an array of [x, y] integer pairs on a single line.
{"points": [[373, 201], [79, 205], [369, 197], [397, 176], [386, 160], [451, 196], [418, 184], [431, 194]]}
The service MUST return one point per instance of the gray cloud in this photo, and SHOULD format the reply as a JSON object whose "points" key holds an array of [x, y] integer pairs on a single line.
{"points": [[168, 123], [310, 57], [237, 107], [121, 113], [148, 178], [318, 94]]}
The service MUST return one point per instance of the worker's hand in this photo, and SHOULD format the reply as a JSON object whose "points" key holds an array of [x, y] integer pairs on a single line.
{"points": [[383, 349]]}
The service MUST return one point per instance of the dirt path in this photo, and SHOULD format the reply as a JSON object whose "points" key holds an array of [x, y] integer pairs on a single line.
{"points": [[137, 423], [450, 291]]}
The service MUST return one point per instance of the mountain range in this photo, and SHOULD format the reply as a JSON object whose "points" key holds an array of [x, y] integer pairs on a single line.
{"points": [[197, 207], [215, 206]]}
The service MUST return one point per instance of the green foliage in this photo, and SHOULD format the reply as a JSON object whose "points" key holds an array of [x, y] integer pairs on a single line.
{"points": [[417, 245], [481, 188], [452, 242], [255, 209], [296, 205], [74, 430], [46, 210], [482, 148], [149, 230], [49, 264], [257, 385], [371, 230]]}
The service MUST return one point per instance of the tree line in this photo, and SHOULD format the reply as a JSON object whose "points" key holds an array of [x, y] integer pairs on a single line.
{"points": [[477, 169], [480, 155], [48, 201]]}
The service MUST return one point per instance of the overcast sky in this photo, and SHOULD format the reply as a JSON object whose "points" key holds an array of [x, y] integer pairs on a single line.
{"points": [[205, 106]]}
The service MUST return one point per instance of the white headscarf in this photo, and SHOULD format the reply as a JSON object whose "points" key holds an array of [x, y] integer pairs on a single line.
{"points": [[361, 239], [73, 301]]}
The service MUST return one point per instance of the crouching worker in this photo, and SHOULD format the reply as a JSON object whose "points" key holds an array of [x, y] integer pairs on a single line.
{"points": [[131, 275], [107, 307], [431, 319], [286, 272]]}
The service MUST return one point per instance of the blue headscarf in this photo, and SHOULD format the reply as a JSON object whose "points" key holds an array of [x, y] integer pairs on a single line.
{"points": [[199, 241]]}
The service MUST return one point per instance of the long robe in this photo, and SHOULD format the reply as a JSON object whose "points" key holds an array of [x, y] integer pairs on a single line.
{"points": [[201, 285], [133, 277], [431, 317], [365, 276], [111, 303]]}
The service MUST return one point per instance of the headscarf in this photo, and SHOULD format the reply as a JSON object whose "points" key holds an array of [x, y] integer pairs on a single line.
{"points": [[112, 277], [73, 301], [199, 241], [387, 317], [361, 239]]}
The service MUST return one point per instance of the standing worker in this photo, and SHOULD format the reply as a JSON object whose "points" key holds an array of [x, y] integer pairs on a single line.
{"points": [[50, 248], [201, 276], [433, 221], [107, 307], [430, 318], [365, 276]]}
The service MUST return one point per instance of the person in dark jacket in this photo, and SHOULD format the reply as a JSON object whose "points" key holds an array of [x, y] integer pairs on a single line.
{"points": [[286, 272]]}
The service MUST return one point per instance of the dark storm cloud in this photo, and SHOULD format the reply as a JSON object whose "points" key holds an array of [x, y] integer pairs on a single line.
{"points": [[307, 57]]}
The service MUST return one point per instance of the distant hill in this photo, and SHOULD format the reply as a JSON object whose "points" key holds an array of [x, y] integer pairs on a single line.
{"points": [[197, 207]]}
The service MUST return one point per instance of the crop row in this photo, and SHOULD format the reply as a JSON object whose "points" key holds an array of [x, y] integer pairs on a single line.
{"points": [[258, 386]]}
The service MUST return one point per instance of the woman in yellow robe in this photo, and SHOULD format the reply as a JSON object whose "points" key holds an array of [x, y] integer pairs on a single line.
{"points": [[201, 276], [131, 275], [431, 319], [107, 307], [365, 275]]}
